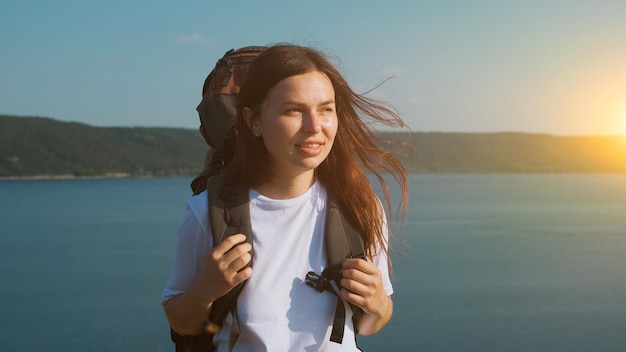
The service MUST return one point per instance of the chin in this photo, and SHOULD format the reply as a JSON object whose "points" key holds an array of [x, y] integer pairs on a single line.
{"points": [[309, 166]]}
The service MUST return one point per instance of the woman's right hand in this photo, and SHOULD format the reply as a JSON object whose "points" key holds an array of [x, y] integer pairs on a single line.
{"points": [[224, 267]]}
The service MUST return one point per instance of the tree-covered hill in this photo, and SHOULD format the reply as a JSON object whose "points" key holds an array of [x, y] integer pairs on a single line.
{"points": [[41, 146], [515, 153], [34, 146]]}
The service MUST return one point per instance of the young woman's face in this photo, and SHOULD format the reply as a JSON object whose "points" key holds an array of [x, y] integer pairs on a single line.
{"points": [[298, 122]]}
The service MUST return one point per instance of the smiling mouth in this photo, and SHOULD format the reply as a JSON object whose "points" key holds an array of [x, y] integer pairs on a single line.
{"points": [[309, 145]]}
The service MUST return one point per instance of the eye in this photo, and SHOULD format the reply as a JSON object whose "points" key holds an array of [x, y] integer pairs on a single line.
{"points": [[293, 111], [327, 110]]}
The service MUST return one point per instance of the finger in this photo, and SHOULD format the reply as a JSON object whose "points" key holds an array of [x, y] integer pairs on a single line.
{"points": [[358, 276], [360, 264], [240, 262], [237, 252], [374, 305], [228, 243], [242, 276], [353, 298], [365, 272], [355, 287]]}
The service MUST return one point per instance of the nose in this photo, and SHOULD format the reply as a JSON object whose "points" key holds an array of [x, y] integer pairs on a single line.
{"points": [[312, 122]]}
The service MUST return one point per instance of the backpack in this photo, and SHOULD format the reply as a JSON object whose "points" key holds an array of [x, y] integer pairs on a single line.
{"points": [[218, 108], [229, 211]]}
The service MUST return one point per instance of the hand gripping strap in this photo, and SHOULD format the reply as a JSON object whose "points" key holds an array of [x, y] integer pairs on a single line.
{"points": [[229, 214], [340, 247], [342, 241]]}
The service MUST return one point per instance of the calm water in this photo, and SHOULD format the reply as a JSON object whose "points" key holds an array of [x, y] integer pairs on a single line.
{"points": [[490, 263]]}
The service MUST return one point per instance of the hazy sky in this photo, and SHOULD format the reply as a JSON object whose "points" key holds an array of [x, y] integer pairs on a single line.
{"points": [[557, 67]]}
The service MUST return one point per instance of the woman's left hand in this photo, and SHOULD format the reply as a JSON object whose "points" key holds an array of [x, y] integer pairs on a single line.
{"points": [[362, 285]]}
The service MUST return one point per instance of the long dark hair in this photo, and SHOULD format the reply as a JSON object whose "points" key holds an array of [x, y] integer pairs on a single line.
{"points": [[356, 149]]}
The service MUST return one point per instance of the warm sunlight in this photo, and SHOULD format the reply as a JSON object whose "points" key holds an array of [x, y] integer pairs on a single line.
{"points": [[618, 115], [622, 121], [620, 125]]}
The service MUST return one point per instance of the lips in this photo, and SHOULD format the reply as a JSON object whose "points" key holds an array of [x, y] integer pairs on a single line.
{"points": [[311, 148], [311, 145]]}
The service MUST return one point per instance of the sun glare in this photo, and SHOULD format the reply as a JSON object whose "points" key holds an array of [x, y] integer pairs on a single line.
{"points": [[619, 116], [622, 122]]}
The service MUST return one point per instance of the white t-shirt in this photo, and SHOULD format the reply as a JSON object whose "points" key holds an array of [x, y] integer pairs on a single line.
{"points": [[276, 310]]}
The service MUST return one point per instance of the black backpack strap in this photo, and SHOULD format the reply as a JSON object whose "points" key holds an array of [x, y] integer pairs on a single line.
{"points": [[229, 214], [323, 283], [222, 155], [340, 247], [197, 343], [342, 241]]}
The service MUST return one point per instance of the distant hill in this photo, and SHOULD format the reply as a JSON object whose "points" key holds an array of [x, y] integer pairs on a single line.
{"points": [[32, 146], [514, 153]]}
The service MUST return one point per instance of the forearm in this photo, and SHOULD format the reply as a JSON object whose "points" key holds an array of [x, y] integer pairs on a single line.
{"points": [[371, 323], [187, 312]]}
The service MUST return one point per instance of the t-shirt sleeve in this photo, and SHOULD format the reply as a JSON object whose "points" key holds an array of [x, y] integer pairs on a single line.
{"points": [[193, 240], [381, 256]]}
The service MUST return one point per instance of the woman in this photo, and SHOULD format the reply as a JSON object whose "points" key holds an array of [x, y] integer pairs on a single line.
{"points": [[298, 135]]}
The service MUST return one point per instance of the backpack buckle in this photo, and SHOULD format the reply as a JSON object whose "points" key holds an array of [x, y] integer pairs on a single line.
{"points": [[316, 281]]}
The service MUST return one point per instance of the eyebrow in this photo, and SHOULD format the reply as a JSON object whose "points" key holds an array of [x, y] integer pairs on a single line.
{"points": [[295, 103]]}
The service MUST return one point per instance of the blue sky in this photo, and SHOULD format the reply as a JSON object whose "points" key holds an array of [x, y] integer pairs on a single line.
{"points": [[552, 66]]}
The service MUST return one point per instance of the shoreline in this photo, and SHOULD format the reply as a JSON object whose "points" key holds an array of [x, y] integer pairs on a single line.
{"points": [[70, 177], [120, 175]]}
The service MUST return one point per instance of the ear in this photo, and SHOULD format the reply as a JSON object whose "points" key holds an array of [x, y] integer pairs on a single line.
{"points": [[248, 116]]}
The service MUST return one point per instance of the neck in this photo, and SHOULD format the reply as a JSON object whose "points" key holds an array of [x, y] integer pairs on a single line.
{"points": [[286, 187]]}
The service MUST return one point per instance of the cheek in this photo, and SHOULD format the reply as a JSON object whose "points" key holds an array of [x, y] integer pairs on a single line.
{"points": [[331, 126], [282, 127], [278, 134]]}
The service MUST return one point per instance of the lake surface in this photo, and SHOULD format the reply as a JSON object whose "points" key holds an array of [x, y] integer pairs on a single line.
{"points": [[487, 263]]}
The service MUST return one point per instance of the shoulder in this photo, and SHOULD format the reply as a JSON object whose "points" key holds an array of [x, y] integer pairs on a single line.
{"points": [[319, 193], [198, 208], [199, 202]]}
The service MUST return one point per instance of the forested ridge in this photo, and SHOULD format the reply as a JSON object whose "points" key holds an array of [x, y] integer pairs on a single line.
{"points": [[31, 146], [38, 146]]}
